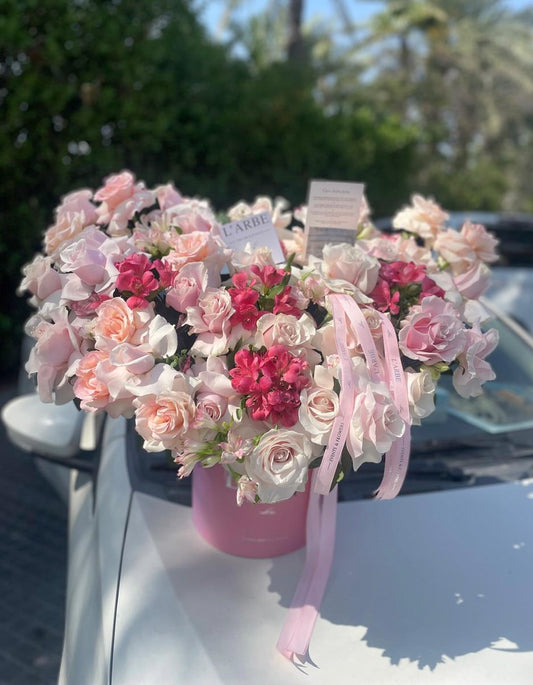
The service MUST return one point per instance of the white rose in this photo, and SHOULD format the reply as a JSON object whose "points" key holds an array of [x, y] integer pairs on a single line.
{"points": [[318, 410], [285, 329], [421, 391], [279, 464], [350, 263]]}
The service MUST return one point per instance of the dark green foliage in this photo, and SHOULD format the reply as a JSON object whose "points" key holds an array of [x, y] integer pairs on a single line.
{"points": [[91, 87]]}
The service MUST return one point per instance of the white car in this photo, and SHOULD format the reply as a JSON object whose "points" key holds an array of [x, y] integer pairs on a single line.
{"points": [[432, 587]]}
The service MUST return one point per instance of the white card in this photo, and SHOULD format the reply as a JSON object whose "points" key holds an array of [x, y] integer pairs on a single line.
{"points": [[257, 231], [333, 209]]}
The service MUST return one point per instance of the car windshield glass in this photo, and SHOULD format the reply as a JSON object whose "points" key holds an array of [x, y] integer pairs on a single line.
{"points": [[464, 442]]}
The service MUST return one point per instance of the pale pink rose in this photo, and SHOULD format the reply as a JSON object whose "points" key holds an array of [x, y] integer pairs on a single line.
{"points": [[287, 330], [242, 260], [211, 410], [432, 332], [212, 313], [190, 216], [210, 321], [350, 263], [318, 410], [116, 189], [86, 261], [473, 283], [421, 388], [54, 354], [164, 419], [424, 217], [456, 250], [117, 323], [473, 369], [92, 392], [279, 464], [167, 196], [482, 242], [199, 246], [135, 359], [161, 338], [101, 385], [375, 425], [280, 218], [66, 228], [40, 279], [125, 212], [213, 377], [188, 283], [78, 201]]}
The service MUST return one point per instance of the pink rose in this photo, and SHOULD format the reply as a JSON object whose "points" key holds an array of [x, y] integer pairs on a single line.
{"points": [[421, 388], [67, 227], [101, 385], [456, 250], [125, 212], [473, 369], [40, 279], [53, 355], [432, 332], [375, 425], [92, 392], [117, 188], [481, 241], [210, 321], [199, 246], [188, 283], [473, 283], [211, 409], [78, 201], [167, 196], [212, 313], [424, 217], [193, 215]]}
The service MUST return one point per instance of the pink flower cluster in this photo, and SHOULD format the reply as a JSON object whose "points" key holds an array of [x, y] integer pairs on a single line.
{"points": [[272, 382], [224, 357]]}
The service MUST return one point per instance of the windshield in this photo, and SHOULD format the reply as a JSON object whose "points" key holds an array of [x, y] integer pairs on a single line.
{"points": [[465, 442]]}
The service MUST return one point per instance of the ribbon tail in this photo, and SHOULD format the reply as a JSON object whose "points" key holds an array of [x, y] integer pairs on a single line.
{"points": [[297, 630]]}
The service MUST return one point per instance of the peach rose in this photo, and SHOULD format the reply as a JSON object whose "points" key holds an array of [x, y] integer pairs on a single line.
{"points": [[116, 323], [164, 418], [424, 218]]}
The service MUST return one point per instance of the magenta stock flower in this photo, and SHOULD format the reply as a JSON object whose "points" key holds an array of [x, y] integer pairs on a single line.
{"points": [[272, 382], [135, 276]]}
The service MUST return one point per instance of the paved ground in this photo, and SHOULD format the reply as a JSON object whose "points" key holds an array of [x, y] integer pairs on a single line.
{"points": [[33, 527]]}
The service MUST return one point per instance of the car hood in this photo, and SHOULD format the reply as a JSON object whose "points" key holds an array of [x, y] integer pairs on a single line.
{"points": [[430, 588]]}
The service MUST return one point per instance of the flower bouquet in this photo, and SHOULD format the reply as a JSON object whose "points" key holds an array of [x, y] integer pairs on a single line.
{"points": [[230, 359]]}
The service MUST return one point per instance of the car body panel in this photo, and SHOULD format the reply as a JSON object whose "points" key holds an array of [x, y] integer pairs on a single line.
{"points": [[96, 534], [427, 588]]}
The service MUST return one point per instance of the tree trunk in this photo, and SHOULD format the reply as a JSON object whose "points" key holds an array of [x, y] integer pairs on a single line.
{"points": [[295, 47]]}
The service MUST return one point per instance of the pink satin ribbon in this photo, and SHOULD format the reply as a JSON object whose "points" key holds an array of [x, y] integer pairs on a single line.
{"points": [[397, 458], [296, 633], [322, 513]]}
